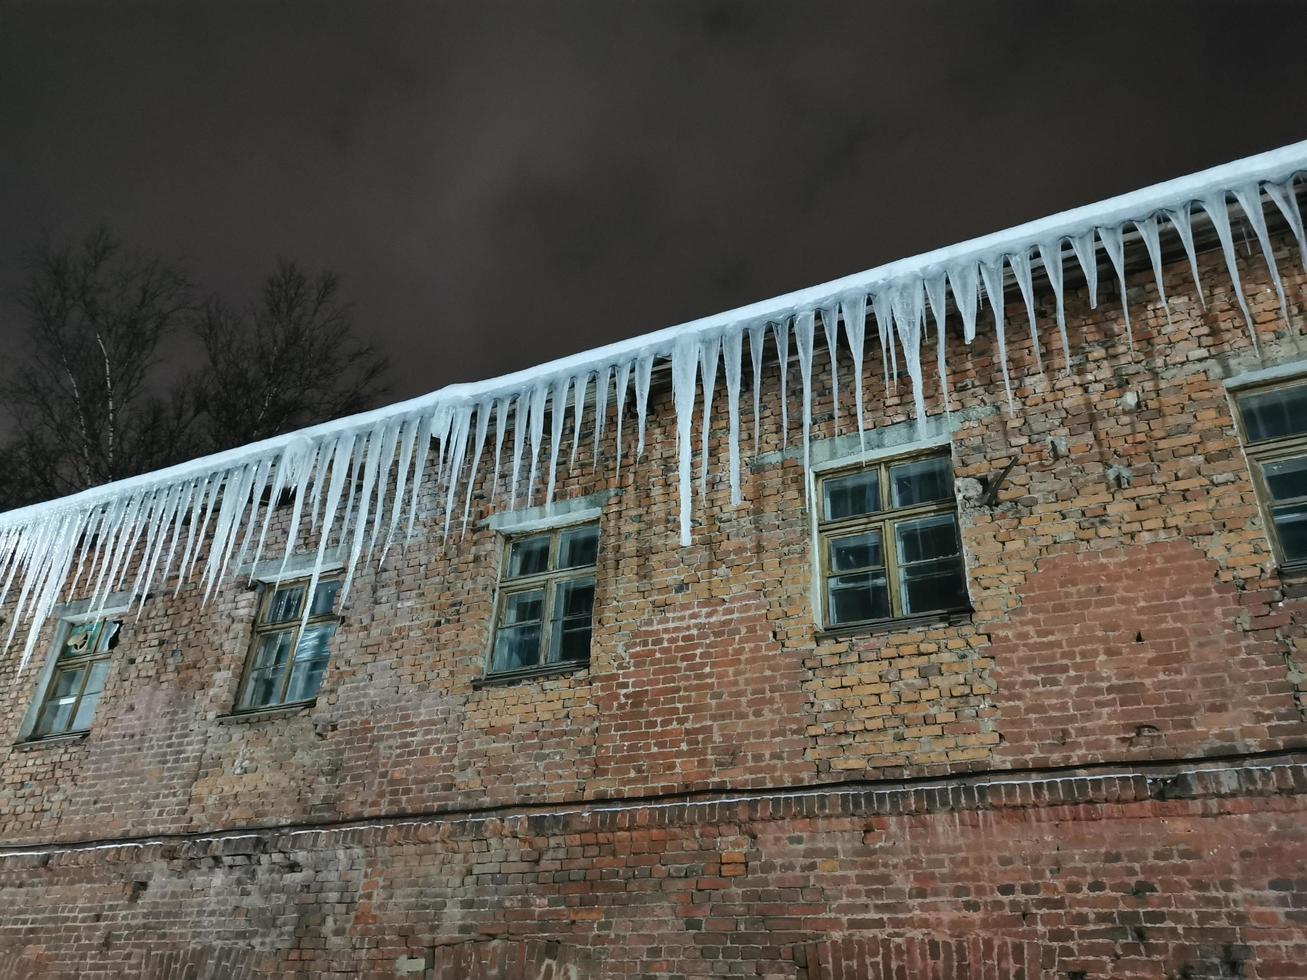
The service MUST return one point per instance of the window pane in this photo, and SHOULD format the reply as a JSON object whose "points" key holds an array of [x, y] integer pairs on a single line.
{"points": [[85, 712], [55, 717], [921, 481], [849, 496], [273, 650], [305, 678], [1286, 478], [324, 598], [523, 607], [528, 556], [313, 642], [109, 633], [67, 683], [933, 585], [574, 598], [80, 640], [516, 647], [855, 551], [578, 547], [927, 538], [855, 598], [1275, 414], [285, 604], [95, 681], [1291, 527], [262, 688], [573, 640]]}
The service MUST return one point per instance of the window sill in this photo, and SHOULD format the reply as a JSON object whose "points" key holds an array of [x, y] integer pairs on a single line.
{"points": [[530, 674], [955, 617], [32, 744], [266, 714]]}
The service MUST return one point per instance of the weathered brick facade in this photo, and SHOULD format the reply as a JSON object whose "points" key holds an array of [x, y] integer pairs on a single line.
{"points": [[1098, 773]]}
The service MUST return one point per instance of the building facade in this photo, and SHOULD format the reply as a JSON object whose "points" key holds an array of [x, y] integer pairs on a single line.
{"points": [[993, 692]]}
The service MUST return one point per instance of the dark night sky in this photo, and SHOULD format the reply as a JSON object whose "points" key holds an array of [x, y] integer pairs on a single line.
{"points": [[502, 183]]}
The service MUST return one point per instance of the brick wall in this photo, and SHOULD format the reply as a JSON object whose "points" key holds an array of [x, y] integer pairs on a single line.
{"points": [[1130, 626]]}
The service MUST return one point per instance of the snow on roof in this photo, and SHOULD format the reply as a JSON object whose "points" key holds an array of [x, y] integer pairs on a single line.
{"points": [[149, 530]]}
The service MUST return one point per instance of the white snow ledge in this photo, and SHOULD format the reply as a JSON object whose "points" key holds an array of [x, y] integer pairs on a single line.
{"points": [[353, 481]]}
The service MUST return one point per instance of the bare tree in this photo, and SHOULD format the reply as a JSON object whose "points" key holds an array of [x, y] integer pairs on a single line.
{"points": [[86, 404], [288, 361]]}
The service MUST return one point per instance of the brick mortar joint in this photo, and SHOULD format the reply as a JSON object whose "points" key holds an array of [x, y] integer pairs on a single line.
{"points": [[1188, 782]]}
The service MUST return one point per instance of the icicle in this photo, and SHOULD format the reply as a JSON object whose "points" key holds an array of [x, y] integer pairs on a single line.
{"points": [[643, 373], [1050, 253], [1149, 232], [966, 294], [1216, 209], [685, 364], [580, 388], [709, 351], [1083, 246], [1250, 199], [623, 381], [501, 421], [478, 447], [536, 434], [1286, 199], [757, 338], [831, 328], [804, 328], [854, 307], [389, 441], [781, 334], [732, 356], [1183, 226], [520, 410], [1115, 248], [408, 443], [373, 461], [882, 305], [459, 430], [992, 273], [1020, 262], [557, 416], [908, 307], [344, 450], [601, 412], [421, 450], [937, 296]]}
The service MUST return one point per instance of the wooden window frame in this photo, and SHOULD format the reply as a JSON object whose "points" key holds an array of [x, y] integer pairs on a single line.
{"points": [[61, 664], [884, 520], [296, 625], [1264, 451], [546, 581]]}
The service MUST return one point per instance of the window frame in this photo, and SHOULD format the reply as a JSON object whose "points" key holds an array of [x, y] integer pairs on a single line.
{"points": [[1270, 451], [546, 581], [883, 521], [56, 665], [297, 625]]}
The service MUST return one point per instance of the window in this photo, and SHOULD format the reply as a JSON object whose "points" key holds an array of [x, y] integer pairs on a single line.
{"points": [[286, 663], [546, 599], [81, 665], [1273, 422], [888, 542]]}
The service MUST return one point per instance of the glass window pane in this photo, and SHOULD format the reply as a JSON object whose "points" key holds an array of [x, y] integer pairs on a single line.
{"points": [[516, 647], [849, 496], [324, 598], [1275, 414], [313, 642], [80, 640], [67, 683], [523, 607], [262, 688], [285, 604], [1286, 478], [1291, 528], [933, 585], [305, 678], [109, 633], [85, 712], [921, 481], [855, 551], [95, 681], [573, 640], [273, 650], [574, 598], [55, 717], [528, 556], [927, 538], [578, 547], [856, 598]]}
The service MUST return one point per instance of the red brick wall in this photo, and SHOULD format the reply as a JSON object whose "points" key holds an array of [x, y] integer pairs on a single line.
{"points": [[1141, 625]]}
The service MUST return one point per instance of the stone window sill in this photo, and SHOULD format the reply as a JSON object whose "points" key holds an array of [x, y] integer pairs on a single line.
{"points": [[32, 744], [267, 714], [530, 674], [955, 617]]}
